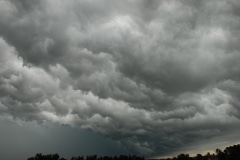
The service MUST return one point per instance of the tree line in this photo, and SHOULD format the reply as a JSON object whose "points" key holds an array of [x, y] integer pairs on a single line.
{"points": [[55, 156], [229, 153]]}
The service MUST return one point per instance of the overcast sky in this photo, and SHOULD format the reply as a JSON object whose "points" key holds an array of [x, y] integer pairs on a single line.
{"points": [[146, 77]]}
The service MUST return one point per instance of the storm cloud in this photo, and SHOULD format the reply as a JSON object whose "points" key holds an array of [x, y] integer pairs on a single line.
{"points": [[155, 76]]}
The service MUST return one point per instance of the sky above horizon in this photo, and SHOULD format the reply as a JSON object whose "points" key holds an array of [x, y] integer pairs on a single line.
{"points": [[145, 77]]}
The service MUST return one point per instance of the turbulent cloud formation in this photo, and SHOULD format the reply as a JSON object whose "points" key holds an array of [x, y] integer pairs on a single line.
{"points": [[155, 76]]}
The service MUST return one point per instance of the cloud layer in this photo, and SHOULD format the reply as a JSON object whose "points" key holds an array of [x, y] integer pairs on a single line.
{"points": [[154, 75]]}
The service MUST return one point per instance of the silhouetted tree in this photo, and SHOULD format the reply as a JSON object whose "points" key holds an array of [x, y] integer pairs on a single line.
{"points": [[183, 157], [230, 153]]}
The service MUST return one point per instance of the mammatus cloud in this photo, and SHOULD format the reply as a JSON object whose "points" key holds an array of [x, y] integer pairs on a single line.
{"points": [[154, 75]]}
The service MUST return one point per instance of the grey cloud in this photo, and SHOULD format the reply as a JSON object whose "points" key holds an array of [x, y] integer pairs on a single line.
{"points": [[153, 75]]}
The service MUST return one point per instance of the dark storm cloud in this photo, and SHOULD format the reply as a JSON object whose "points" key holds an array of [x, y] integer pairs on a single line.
{"points": [[154, 75]]}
